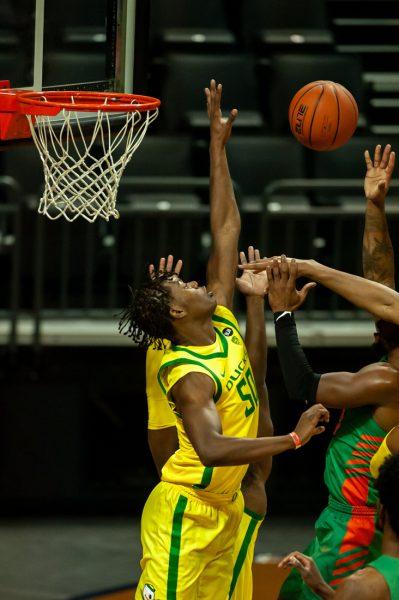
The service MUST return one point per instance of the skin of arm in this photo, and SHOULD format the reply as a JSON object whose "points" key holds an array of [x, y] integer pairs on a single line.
{"points": [[377, 299], [253, 485], [193, 396], [367, 583], [224, 214], [375, 384], [378, 255]]}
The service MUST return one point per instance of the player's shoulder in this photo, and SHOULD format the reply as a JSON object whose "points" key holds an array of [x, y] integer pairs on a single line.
{"points": [[381, 372], [366, 583], [224, 316]]}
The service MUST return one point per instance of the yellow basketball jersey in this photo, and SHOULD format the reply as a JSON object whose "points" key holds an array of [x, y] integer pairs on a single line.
{"points": [[226, 362], [380, 457], [160, 414]]}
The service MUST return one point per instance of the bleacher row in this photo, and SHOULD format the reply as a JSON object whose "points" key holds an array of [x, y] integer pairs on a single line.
{"points": [[292, 199]]}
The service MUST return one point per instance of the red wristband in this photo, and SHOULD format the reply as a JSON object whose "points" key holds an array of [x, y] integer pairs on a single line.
{"points": [[296, 439]]}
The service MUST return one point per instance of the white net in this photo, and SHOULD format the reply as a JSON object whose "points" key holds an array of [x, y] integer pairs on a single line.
{"points": [[82, 169]]}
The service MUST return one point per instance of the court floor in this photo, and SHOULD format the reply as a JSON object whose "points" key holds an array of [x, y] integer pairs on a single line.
{"points": [[71, 558]]}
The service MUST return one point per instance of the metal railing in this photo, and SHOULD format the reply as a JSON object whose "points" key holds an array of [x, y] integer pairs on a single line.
{"points": [[82, 270]]}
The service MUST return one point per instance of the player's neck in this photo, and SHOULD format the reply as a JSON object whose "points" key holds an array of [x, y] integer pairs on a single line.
{"points": [[390, 542], [196, 333]]}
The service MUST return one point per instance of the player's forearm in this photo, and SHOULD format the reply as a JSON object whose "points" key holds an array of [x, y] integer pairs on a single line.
{"points": [[223, 451], [255, 337], [324, 591], [224, 213], [378, 256], [377, 299]]}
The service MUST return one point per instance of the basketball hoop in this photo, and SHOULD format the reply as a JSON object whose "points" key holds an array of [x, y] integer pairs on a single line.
{"points": [[83, 163]]}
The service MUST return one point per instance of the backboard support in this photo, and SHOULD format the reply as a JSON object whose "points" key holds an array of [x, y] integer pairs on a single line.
{"points": [[41, 36]]}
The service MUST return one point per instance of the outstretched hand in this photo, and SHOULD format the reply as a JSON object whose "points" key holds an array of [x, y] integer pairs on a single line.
{"points": [[250, 283], [166, 266], [283, 294], [306, 567], [220, 127], [378, 174]]}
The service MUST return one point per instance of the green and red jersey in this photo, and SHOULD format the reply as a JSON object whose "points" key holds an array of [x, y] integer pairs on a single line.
{"points": [[357, 438]]}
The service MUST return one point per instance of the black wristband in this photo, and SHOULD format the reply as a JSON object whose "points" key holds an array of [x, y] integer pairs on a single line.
{"points": [[283, 315], [300, 380]]}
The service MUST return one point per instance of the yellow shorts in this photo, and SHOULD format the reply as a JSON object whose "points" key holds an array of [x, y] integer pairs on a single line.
{"points": [[187, 545], [241, 582]]}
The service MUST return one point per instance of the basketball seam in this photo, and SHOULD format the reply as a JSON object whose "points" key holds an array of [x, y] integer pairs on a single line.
{"points": [[338, 116], [356, 109], [313, 116], [299, 99]]}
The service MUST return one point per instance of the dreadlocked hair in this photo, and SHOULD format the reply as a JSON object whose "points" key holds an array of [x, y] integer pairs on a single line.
{"points": [[147, 318], [387, 486]]}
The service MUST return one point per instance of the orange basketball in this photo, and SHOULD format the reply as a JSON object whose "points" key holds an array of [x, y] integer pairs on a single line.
{"points": [[323, 115]]}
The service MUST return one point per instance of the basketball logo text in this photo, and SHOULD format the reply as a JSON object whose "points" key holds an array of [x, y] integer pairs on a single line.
{"points": [[300, 116]]}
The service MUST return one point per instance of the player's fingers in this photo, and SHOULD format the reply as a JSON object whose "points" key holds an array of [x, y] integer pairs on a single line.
{"points": [[269, 273], [243, 258], [151, 270], [293, 268], [391, 164], [284, 268], [276, 270], [257, 254], [307, 287], [161, 266], [251, 254], [377, 155], [320, 429], [169, 263], [369, 163], [232, 116], [385, 156], [179, 266]]}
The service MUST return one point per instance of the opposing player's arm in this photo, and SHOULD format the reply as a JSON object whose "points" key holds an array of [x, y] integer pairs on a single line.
{"points": [[377, 299], [193, 396], [375, 384], [378, 255], [224, 214], [366, 584]]}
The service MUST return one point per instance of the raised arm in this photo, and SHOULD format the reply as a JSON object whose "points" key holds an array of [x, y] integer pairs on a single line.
{"points": [[193, 395], [254, 287], [224, 214], [378, 256]]}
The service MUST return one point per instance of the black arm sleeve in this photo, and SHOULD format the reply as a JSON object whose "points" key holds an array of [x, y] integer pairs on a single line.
{"points": [[300, 380]]}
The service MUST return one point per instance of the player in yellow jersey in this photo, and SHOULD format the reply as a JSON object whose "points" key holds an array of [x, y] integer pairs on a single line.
{"points": [[162, 431], [191, 518]]}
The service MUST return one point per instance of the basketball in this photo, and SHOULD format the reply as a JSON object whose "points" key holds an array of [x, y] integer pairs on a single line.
{"points": [[323, 115]]}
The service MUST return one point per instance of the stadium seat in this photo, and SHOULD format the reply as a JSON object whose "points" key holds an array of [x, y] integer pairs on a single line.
{"points": [[289, 72], [188, 74], [160, 177], [346, 163], [190, 24], [255, 162], [278, 25]]}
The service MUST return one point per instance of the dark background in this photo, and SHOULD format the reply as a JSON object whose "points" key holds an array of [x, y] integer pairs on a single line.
{"points": [[73, 419]]}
